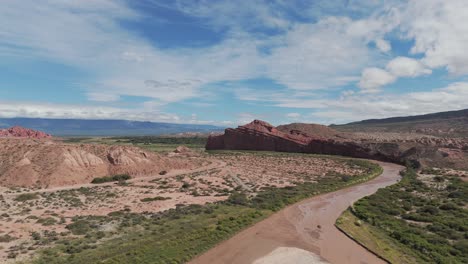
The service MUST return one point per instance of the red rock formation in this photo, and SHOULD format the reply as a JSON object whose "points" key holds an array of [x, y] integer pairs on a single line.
{"points": [[260, 135], [22, 132]]}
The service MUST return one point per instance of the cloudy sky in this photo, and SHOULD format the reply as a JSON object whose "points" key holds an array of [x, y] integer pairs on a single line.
{"points": [[228, 62]]}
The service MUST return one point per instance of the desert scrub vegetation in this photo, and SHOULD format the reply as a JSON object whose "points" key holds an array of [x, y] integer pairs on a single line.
{"points": [[114, 178], [429, 224], [177, 235], [157, 198], [26, 197], [6, 238]]}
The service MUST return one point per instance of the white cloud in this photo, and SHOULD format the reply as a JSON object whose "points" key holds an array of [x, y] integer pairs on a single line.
{"points": [[319, 55], [46, 110], [407, 67], [373, 78], [355, 108], [383, 45], [102, 97], [440, 32], [149, 111], [293, 116], [246, 14], [358, 106], [89, 37], [327, 54]]}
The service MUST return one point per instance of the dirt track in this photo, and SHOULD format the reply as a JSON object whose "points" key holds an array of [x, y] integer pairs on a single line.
{"points": [[173, 173], [307, 225]]}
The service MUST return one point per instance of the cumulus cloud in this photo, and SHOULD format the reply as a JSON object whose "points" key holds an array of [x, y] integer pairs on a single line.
{"points": [[373, 78], [383, 45], [440, 32], [407, 67], [355, 108], [319, 56]]}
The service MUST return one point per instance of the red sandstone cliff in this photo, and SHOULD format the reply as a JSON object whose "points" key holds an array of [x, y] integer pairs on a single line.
{"points": [[22, 132], [259, 135]]}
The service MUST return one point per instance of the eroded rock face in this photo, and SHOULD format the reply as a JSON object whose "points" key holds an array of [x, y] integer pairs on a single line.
{"points": [[22, 132], [40, 163], [260, 135], [124, 156]]}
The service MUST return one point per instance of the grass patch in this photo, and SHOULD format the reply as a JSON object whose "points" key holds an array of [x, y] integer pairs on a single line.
{"points": [[114, 178], [152, 143], [375, 240]]}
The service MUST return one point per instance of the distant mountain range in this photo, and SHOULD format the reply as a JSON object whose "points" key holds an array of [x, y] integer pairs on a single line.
{"points": [[84, 127], [451, 123]]}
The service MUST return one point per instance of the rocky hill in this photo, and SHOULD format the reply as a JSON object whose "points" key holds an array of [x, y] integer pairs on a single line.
{"points": [[44, 163], [443, 124], [260, 135], [314, 130], [21, 132]]}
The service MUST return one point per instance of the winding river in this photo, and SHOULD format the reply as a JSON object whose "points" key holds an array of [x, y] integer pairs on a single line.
{"points": [[303, 232]]}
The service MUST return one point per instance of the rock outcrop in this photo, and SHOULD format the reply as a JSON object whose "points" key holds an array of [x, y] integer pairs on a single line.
{"points": [[259, 135], [21, 132], [39, 163]]}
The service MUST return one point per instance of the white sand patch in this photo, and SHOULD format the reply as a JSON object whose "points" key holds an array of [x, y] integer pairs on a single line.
{"points": [[289, 255]]}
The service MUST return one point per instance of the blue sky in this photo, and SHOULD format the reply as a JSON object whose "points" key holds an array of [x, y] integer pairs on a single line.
{"points": [[228, 62]]}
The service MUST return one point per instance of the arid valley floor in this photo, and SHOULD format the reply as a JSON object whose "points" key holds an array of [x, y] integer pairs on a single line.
{"points": [[154, 200]]}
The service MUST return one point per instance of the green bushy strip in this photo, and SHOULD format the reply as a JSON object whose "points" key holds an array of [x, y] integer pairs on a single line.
{"points": [[157, 198], [431, 223], [192, 141], [114, 178]]}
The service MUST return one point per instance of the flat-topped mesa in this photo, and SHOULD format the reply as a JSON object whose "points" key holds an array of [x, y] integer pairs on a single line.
{"points": [[260, 135], [21, 132]]}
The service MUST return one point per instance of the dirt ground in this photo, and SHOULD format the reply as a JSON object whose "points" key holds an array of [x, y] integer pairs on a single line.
{"points": [[27, 212]]}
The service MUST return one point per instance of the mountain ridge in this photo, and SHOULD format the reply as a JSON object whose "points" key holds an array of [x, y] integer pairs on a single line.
{"points": [[441, 124], [103, 127]]}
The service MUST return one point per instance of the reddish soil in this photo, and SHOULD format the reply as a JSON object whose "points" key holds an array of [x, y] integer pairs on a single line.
{"points": [[307, 225]]}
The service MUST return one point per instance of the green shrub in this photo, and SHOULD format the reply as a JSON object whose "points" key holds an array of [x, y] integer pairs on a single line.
{"points": [[238, 198], [80, 227], [26, 197], [157, 198], [6, 238], [114, 178]]}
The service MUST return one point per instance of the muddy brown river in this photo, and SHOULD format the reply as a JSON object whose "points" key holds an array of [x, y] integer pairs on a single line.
{"points": [[307, 226]]}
